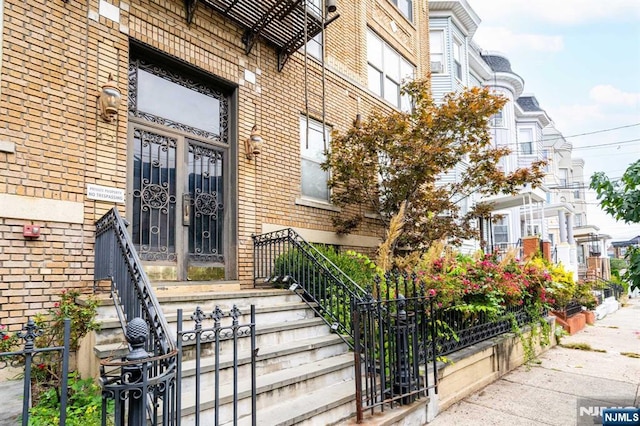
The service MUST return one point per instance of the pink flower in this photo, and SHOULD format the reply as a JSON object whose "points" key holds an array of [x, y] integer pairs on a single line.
{"points": [[432, 292]]}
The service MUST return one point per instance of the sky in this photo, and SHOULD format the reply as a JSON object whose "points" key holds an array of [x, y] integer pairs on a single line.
{"points": [[581, 60]]}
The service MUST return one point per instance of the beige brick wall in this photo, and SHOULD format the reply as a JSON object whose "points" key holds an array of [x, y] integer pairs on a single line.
{"points": [[56, 56]]}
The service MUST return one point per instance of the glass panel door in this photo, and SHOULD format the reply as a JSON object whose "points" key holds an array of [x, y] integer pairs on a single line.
{"points": [[177, 194], [154, 195], [204, 211]]}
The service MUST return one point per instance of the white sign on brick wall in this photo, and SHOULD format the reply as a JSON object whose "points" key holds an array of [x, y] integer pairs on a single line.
{"points": [[105, 193]]}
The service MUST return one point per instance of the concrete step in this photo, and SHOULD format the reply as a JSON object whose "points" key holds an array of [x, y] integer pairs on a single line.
{"points": [[331, 405], [175, 298], [111, 330], [304, 372], [269, 360], [279, 387], [266, 335]]}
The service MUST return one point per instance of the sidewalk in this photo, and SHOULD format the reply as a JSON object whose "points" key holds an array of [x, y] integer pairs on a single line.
{"points": [[549, 393]]}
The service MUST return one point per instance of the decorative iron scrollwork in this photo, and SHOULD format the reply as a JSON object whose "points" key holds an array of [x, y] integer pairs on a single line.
{"points": [[156, 196], [206, 204], [181, 80]]}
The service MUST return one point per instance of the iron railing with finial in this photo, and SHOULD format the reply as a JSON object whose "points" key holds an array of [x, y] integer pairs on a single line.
{"points": [[116, 260]]}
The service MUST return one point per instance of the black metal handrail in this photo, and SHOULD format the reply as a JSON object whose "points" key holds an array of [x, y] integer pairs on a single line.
{"points": [[604, 288], [284, 256], [117, 260]]}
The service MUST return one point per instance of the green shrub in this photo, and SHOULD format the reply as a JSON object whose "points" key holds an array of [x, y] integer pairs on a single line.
{"points": [[617, 265], [584, 295], [297, 265], [84, 405]]}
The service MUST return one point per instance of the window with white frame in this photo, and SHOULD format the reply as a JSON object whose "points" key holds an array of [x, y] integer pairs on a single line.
{"points": [[436, 51], [547, 158], [501, 231], [497, 119], [386, 71], [525, 139], [406, 7], [313, 180], [457, 58], [564, 177], [580, 254]]}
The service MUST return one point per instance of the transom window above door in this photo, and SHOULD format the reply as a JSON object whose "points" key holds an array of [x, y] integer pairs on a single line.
{"points": [[160, 96]]}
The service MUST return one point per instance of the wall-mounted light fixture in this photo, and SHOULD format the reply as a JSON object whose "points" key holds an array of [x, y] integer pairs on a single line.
{"points": [[253, 144], [109, 100], [331, 6]]}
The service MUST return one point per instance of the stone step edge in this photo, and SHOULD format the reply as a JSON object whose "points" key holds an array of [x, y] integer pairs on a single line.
{"points": [[270, 352], [118, 349], [307, 406], [104, 299], [272, 381], [113, 322]]}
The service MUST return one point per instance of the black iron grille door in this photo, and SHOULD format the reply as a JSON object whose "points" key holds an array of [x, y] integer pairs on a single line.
{"points": [[205, 201], [154, 195]]}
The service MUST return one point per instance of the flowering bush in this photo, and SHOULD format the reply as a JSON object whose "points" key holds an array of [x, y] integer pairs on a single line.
{"points": [[8, 341], [484, 283]]}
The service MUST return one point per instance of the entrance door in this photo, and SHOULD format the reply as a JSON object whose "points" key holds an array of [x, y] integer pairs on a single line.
{"points": [[181, 201], [177, 204]]}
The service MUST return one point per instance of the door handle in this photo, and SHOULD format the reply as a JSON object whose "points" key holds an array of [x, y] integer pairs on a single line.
{"points": [[186, 209]]}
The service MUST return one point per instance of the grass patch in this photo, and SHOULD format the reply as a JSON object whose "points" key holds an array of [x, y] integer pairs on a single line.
{"points": [[630, 354], [612, 326], [581, 347]]}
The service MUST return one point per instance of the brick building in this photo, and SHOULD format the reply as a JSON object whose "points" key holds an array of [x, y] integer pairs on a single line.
{"points": [[195, 81]]}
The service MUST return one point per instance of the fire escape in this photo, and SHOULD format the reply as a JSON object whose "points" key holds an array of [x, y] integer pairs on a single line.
{"points": [[285, 24]]}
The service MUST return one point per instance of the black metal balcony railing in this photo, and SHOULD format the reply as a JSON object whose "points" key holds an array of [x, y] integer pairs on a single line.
{"points": [[279, 22]]}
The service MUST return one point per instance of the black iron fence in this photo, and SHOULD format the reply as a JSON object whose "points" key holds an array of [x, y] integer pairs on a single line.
{"points": [[28, 356], [394, 349], [142, 385], [457, 329], [212, 338], [283, 256], [147, 395], [603, 289]]}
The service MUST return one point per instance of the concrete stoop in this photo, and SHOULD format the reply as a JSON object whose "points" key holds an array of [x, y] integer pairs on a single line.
{"points": [[305, 374]]}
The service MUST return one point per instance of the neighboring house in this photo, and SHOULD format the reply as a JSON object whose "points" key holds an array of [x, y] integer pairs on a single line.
{"points": [[556, 212], [620, 248], [457, 62], [197, 81], [574, 239]]}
